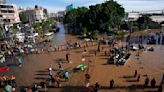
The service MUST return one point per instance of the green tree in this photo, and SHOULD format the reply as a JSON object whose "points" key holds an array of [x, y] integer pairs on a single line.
{"points": [[95, 34], [14, 28], [36, 26], [43, 27], [23, 18], [84, 31], [80, 19], [144, 22], [70, 17], [1, 33], [103, 17]]}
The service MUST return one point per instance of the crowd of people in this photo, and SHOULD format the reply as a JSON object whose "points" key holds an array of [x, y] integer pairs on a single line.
{"points": [[18, 50], [8, 83]]}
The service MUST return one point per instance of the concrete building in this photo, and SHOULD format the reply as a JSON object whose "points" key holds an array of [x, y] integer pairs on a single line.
{"points": [[34, 15], [8, 14], [133, 16], [29, 14], [157, 18], [52, 15], [2, 1], [61, 13], [39, 13]]}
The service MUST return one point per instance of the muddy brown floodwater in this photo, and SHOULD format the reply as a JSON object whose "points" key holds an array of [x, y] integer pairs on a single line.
{"points": [[34, 69]]}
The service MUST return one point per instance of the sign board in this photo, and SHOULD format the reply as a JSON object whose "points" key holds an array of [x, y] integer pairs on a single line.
{"points": [[69, 7]]}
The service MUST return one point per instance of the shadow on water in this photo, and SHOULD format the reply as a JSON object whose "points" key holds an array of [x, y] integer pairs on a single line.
{"points": [[42, 74], [127, 76], [132, 80], [41, 78], [42, 71], [130, 88], [73, 89]]}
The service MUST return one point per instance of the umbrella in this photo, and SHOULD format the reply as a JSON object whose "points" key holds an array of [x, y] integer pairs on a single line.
{"points": [[5, 69]]}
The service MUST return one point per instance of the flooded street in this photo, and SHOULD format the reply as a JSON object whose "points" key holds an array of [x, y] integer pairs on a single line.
{"points": [[59, 37], [35, 68]]}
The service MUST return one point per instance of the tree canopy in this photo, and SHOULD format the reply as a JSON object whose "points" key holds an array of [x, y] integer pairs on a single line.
{"points": [[102, 17], [44, 26], [23, 18]]}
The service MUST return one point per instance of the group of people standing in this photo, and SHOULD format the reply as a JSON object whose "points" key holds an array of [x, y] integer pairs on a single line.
{"points": [[8, 83]]}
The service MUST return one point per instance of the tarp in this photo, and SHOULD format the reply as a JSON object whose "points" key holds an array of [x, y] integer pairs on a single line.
{"points": [[5, 69], [82, 66]]}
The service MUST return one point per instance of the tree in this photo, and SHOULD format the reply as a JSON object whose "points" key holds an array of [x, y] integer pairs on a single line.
{"points": [[95, 34], [124, 26], [84, 31], [140, 22], [43, 27], [14, 28], [23, 18], [70, 17], [80, 19], [143, 22], [102, 17], [1, 33]]}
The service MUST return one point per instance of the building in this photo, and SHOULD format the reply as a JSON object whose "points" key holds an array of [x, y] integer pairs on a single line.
{"points": [[52, 15], [29, 14], [8, 14], [157, 18], [2, 1], [133, 16], [39, 13], [34, 14], [60, 13]]}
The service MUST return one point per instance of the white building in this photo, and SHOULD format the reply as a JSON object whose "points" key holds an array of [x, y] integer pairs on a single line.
{"points": [[8, 14], [34, 15], [157, 18], [3, 1], [61, 13], [134, 15], [52, 15], [39, 13]]}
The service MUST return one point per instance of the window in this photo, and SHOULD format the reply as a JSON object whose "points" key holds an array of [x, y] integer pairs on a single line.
{"points": [[2, 6], [7, 11], [6, 20], [10, 6], [11, 11], [3, 11], [6, 6]]}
